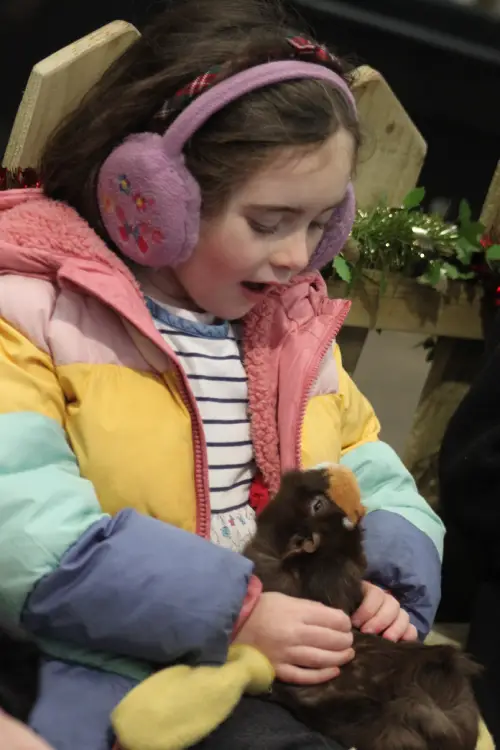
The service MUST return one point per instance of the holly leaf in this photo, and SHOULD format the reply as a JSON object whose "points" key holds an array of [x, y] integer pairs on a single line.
{"points": [[342, 268], [472, 232], [493, 252], [433, 274], [414, 198], [465, 250], [451, 271]]}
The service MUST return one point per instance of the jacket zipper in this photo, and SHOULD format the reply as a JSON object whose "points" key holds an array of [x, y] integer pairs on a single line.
{"points": [[203, 514], [311, 376]]}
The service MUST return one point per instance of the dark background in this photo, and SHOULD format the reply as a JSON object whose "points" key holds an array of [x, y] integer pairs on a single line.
{"points": [[442, 61]]}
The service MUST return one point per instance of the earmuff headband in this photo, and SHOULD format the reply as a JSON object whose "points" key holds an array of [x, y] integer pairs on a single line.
{"points": [[150, 203], [221, 94]]}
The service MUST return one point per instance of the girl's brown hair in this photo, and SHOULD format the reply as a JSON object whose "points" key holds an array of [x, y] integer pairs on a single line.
{"points": [[182, 43]]}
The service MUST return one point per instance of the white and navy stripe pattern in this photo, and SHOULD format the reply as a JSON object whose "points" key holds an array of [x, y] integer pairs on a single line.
{"points": [[211, 358]]}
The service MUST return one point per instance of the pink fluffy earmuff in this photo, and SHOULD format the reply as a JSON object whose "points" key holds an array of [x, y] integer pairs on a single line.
{"points": [[149, 201]]}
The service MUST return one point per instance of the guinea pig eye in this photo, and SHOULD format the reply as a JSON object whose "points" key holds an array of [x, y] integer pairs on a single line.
{"points": [[318, 503]]}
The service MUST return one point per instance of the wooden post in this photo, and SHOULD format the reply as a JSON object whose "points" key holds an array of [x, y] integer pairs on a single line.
{"points": [[393, 150], [490, 215], [57, 84]]}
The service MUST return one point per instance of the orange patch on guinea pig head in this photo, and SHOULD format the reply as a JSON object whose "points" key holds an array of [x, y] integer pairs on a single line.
{"points": [[343, 490]]}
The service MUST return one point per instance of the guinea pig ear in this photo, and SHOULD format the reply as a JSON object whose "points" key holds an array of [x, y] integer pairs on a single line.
{"points": [[345, 493], [300, 544]]}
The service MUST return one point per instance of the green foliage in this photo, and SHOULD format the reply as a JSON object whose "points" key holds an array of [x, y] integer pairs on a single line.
{"points": [[493, 253], [342, 268], [417, 245]]}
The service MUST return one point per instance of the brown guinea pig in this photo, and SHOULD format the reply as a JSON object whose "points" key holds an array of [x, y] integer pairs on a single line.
{"points": [[392, 696]]}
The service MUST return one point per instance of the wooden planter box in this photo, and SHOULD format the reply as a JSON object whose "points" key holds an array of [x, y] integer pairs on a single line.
{"points": [[405, 305]]}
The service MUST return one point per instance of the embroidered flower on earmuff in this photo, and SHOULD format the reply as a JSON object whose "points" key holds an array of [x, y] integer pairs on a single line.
{"points": [[108, 204], [141, 231], [124, 184], [142, 203]]}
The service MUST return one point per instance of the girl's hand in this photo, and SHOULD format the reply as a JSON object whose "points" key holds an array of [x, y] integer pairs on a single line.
{"points": [[381, 613], [305, 641], [16, 736]]}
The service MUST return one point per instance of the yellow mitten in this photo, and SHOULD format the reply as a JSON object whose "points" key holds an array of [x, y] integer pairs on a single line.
{"points": [[179, 706], [485, 741]]}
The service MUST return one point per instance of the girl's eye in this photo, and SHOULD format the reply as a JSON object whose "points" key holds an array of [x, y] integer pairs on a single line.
{"points": [[316, 225], [261, 228]]}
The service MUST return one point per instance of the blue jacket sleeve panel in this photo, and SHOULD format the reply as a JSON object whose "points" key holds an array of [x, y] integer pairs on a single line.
{"points": [[403, 535], [404, 561], [132, 585], [74, 705], [136, 586]]}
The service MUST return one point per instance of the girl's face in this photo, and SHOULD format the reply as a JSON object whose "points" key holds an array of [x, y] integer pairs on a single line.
{"points": [[268, 231]]}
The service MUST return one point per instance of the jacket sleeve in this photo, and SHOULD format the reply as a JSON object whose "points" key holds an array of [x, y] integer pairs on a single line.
{"points": [[130, 585], [403, 535]]}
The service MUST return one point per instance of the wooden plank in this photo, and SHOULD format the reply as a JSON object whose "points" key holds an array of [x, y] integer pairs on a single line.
{"points": [[393, 151], [405, 305], [490, 215], [455, 364], [57, 84], [448, 634]]}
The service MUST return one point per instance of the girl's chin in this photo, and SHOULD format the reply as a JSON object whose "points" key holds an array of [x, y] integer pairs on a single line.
{"points": [[231, 310]]}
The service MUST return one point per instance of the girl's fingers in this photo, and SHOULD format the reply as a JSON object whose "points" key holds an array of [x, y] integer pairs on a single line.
{"points": [[385, 617], [325, 638], [319, 615], [371, 604], [318, 659], [299, 676], [411, 634], [399, 627]]}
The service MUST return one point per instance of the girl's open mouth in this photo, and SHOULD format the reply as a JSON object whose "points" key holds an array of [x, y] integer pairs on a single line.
{"points": [[254, 286]]}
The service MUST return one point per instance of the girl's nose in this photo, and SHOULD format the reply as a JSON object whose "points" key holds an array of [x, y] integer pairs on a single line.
{"points": [[293, 254]]}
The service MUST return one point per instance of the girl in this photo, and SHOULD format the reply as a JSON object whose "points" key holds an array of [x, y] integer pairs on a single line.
{"points": [[165, 344]]}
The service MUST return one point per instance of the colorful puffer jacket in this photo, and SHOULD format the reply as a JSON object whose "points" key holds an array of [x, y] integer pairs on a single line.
{"points": [[103, 468]]}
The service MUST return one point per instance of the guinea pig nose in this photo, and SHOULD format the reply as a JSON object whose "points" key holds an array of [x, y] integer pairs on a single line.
{"points": [[347, 523]]}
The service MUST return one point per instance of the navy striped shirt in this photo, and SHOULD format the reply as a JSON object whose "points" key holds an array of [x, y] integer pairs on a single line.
{"points": [[210, 355]]}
